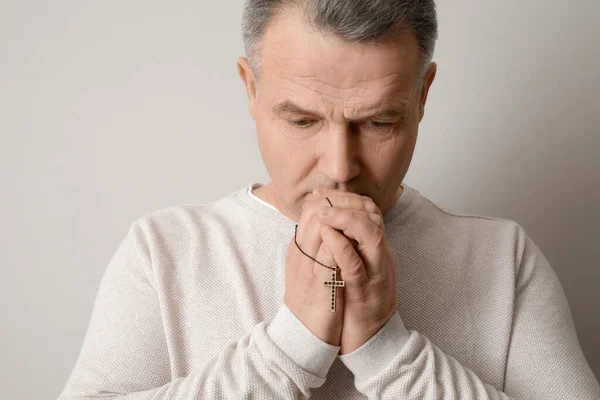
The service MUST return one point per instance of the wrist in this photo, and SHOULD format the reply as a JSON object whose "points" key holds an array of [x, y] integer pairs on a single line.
{"points": [[301, 345], [358, 336], [374, 355]]}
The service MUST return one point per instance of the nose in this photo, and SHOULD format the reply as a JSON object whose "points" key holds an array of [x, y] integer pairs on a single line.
{"points": [[339, 154]]}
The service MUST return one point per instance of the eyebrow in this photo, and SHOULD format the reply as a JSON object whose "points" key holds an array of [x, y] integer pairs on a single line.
{"points": [[288, 107]]}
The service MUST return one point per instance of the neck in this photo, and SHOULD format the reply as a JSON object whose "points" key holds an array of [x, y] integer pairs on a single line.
{"points": [[265, 193]]}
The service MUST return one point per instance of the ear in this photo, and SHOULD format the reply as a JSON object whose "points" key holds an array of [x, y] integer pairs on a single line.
{"points": [[245, 72], [427, 81]]}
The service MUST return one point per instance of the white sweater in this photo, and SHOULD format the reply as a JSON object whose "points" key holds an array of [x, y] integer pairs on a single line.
{"points": [[191, 307]]}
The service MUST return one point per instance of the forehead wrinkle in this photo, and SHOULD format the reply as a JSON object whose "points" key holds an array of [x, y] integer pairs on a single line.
{"points": [[338, 105], [393, 109], [403, 79], [324, 96], [365, 93], [398, 100]]}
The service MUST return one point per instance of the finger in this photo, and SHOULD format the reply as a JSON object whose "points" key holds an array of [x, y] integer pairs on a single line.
{"points": [[351, 201], [341, 200], [354, 224], [325, 257], [307, 228], [337, 192], [373, 217], [341, 197], [308, 241], [308, 235], [376, 218], [345, 199], [347, 259], [314, 253]]}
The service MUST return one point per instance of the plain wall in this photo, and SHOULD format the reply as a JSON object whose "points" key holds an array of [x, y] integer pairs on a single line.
{"points": [[110, 110]]}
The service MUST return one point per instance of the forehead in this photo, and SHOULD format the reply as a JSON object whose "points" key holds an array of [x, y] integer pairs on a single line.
{"points": [[294, 54]]}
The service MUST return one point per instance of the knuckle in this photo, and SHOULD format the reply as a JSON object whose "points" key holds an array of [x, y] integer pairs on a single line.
{"points": [[360, 215], [346, 246], [377, 218], [365, 198], [313, 219], [307, 208], [359, 201], [379, 238], [341, 202], [356, 265]]}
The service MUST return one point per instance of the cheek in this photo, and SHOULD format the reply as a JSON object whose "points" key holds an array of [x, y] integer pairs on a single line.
{"points": [[286, 161], [269, 139], [385, 158]]}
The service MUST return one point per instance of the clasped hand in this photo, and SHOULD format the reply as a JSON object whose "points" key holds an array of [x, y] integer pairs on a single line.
{"points": [[368, 299]]}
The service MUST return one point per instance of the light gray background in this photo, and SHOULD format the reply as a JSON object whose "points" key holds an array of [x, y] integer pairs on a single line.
{"points": [[110, 110]]}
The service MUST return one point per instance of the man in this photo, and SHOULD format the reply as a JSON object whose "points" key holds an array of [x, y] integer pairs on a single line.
{"points": [[363, 288]]}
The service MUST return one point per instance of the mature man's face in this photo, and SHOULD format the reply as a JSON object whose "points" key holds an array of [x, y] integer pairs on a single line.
{"points": [[334, 114]]}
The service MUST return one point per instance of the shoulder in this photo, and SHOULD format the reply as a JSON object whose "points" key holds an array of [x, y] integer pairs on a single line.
{"points": [[171, 220], [180, 224], [473, 223], [181, 219], [489, 235]]}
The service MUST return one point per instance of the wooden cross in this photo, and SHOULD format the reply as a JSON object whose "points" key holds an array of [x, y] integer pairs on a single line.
{"points": [[333, 284]]}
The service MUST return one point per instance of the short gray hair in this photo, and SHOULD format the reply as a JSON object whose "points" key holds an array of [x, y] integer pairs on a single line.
{"points": [[352, 20]]}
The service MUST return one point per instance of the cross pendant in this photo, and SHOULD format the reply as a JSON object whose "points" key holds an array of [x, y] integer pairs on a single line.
{"points": [[333, 283]]}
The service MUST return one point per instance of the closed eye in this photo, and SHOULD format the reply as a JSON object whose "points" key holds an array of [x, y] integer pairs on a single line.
{"points": [[377, 124], [301, 123], [306, 123]]}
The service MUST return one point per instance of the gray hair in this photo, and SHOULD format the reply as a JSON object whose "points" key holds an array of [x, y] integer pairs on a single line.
{"points": [[352, 20]]}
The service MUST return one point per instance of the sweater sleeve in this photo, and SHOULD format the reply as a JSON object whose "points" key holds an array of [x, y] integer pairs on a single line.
{"points": [[544, 361], [125, 353]]}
